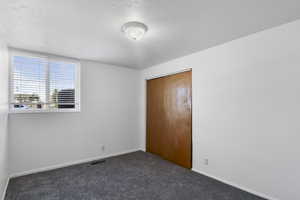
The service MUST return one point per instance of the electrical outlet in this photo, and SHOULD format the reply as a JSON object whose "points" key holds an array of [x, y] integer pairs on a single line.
{"points": [[206, 161], [103, 148]]}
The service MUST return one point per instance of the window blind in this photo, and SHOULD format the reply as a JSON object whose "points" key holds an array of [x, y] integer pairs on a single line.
{"points": [[44, 84]]}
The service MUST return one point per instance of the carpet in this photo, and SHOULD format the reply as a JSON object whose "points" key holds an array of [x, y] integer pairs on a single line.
{"points": [[133, 176]]}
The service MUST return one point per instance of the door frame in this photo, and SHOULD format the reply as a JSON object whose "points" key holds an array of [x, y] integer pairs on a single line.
{"points": [[145, 107]]}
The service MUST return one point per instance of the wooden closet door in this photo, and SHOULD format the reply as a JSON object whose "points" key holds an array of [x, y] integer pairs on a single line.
{"points": [[169, 118]]}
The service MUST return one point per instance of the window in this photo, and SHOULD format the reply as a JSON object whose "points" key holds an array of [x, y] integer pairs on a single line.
{"points": [[42, 83]]}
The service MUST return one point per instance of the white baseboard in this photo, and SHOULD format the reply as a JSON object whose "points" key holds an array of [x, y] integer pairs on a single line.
{"points": [[53, 167], [5, 189], [236, 185], [43, 169]]}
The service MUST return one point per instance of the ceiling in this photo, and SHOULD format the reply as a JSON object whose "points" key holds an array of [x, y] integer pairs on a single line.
{"points": [[90, 29]]}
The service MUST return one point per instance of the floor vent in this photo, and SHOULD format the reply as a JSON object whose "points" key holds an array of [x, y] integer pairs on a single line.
{"points": [[97, 162]]}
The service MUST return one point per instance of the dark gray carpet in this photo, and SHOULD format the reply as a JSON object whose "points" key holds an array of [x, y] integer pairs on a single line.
{"points": [[139, 176]]}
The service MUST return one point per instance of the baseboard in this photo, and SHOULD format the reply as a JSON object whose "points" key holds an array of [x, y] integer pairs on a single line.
{"points": [[235, 185], [5, 189], [53, 167]]}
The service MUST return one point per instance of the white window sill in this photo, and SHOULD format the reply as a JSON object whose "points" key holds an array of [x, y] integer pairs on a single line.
{"points": [[44, 111]]}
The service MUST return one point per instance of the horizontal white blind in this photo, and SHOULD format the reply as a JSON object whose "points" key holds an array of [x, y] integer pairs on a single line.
{"points": [[43, 84]]}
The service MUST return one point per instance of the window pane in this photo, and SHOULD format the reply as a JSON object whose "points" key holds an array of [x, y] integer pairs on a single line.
{"points": [[29, 82], [62, 85]]}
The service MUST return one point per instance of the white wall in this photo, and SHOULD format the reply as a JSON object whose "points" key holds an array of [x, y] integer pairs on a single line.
{"points": [[246, 110], [108, 116], [3, 118]]}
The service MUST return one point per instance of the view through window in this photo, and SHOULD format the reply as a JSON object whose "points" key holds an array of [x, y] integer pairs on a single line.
{"points": [[43, 84]]}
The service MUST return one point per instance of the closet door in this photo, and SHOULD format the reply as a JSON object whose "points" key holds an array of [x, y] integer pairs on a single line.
{"points": [[169, 118]]}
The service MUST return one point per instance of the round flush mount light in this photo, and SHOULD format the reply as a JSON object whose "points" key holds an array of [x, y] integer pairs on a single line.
{"points": [[134, 30]]}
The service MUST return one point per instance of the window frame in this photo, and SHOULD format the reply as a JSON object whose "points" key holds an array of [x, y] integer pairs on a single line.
{"points": [[47, 57]]}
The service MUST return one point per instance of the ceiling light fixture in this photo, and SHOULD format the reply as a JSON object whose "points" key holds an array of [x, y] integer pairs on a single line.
{"points": [[134, 30]]}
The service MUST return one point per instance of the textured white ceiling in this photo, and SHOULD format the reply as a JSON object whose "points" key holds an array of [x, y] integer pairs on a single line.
{"points": [[90, 29]]}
